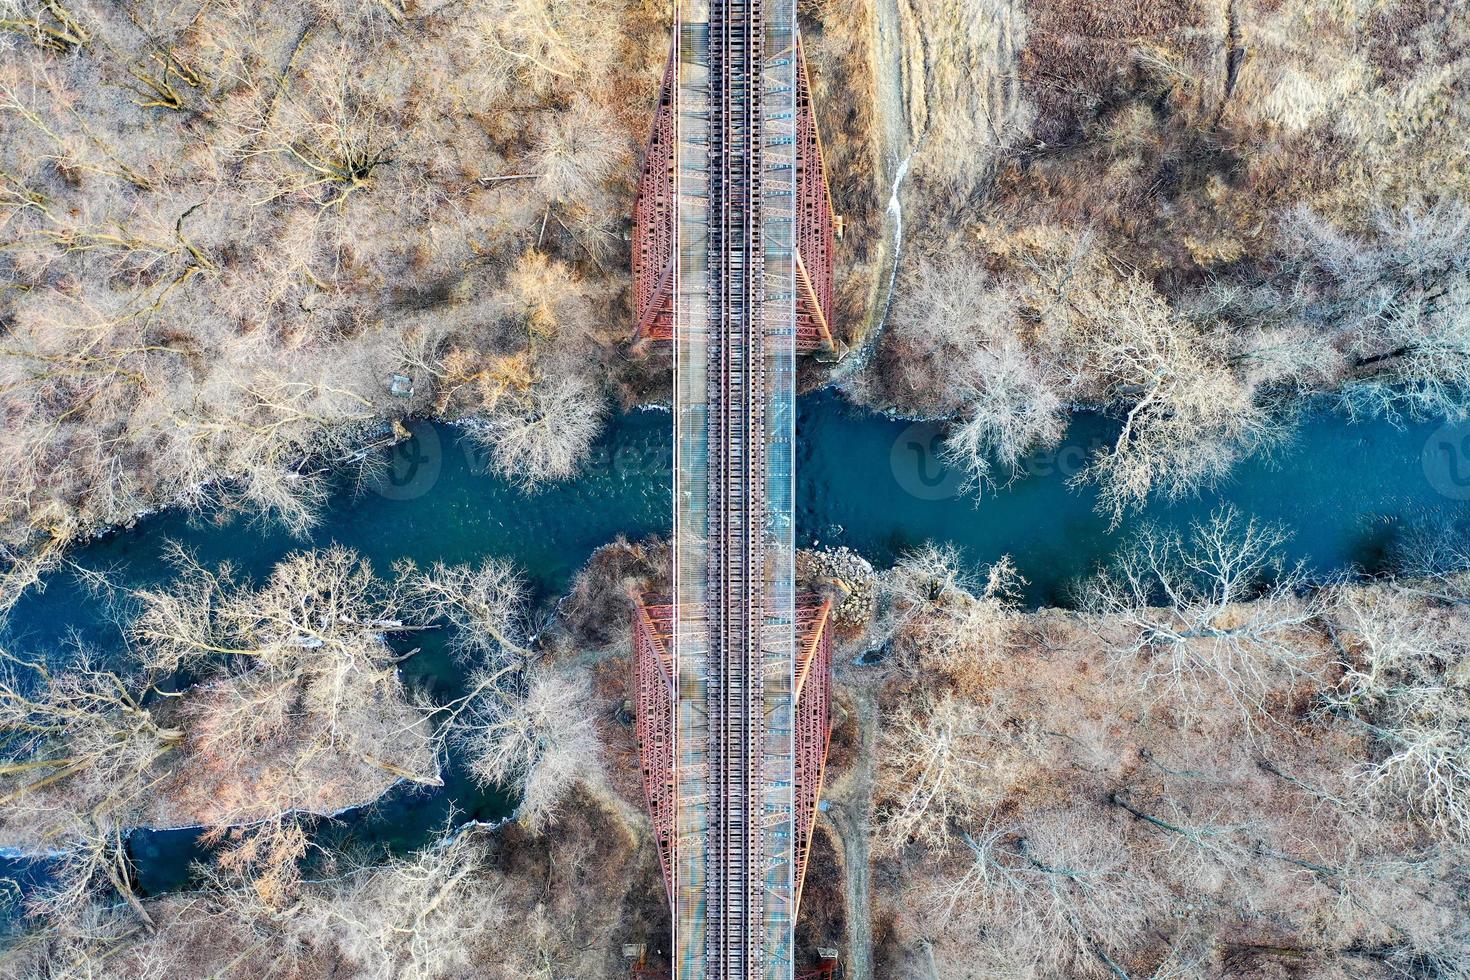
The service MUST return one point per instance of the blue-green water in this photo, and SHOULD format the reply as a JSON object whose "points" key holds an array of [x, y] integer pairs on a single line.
{"points": [[1348, 491]]}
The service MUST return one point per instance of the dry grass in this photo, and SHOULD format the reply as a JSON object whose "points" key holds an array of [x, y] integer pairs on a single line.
{"points": [[1157, 838], [223, 226]]}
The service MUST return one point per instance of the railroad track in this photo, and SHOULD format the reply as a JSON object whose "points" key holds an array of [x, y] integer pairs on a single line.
{"points": [[734, 350]]}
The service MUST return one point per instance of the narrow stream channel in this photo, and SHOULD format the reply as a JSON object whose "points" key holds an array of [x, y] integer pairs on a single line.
{"points": [[1349, 492]]}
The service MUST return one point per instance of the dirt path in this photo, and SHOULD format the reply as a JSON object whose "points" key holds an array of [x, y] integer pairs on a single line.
{"points": [[893, 150], [849, 809]]}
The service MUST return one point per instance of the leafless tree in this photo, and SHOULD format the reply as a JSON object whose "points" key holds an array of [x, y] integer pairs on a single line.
{"points": [[1399, 299], [954, 350], [945, 762], [299, 705], [523, 723], [575, 156], [544, 436], [487, 606], [538, 736], [1212, 613], [221, 241], [415, 918], [321, 614], [938, 618], [1187, 417], [1404, 681], [81, 749], [83, 724], [1053, 897]]}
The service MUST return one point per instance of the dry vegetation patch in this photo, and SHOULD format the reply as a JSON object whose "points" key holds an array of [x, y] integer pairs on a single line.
{"points": [[482, 904], [1190, 214], [224, 226], [1256, 779], [292, 707], [251, 710]]}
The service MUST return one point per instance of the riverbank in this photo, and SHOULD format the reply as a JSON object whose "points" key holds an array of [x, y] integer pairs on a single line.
{"points": [[570, 824], [190, 792], [498, 904], [1226, 785], [1222, 787], [868, 483]]}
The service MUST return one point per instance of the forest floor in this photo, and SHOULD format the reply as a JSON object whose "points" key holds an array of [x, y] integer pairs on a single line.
{"points": [[849, 811]]}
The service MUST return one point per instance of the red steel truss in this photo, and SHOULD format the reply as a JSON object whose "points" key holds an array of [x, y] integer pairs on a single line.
{"points": [[653, 221], [653, 685], [815, 225], [653, 673], [825, 969], [653, 226]]}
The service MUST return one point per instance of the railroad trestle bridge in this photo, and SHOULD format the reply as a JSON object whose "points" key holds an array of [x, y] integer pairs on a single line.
{"points": [[732, 256]]}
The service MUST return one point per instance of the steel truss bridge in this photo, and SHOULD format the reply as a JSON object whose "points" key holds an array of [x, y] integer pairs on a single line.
{"points": [[733, 269]]}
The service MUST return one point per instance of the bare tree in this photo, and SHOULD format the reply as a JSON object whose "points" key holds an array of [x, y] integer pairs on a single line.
{"points": [[1017, 411], [82, 747], [523, 723], [1055, 896], [329, 139], [219, 261], [415, 918], [83, 724], [1399, 300], [300, 708], [575, 156], [1211, 614], [954, 350], [487, 606], [83, 946], [945, 762], [1187, 417], [1406, 682], [544, 436], [938, 618], [539, 736]]}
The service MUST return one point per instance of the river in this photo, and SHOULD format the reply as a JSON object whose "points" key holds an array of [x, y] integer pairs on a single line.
{"points": [[1349, 492]]}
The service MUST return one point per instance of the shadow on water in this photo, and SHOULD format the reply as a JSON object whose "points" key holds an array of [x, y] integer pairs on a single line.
{"points": [[1346, 491], [879, 486]]}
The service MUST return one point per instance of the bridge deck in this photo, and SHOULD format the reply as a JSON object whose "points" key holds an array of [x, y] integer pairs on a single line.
{"points": [[735, 125]]}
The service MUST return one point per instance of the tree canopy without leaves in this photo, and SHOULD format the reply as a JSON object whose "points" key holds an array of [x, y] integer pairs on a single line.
{"points": [[524, 723], [1289, 792], [1212, 608], [292, 707], [224, 228]]}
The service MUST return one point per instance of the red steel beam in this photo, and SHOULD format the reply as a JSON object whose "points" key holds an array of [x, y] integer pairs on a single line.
{"points": [[653, 685], [815, 226], [655, 210], [653, 219], [653, 679], [813, 728]]}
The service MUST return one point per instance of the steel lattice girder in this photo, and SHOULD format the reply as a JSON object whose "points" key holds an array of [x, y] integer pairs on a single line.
{"points": [[653, 226], [654, 721], [653, 673]]}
